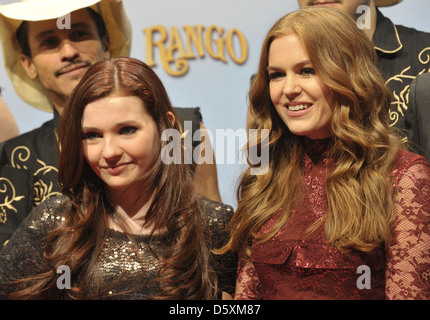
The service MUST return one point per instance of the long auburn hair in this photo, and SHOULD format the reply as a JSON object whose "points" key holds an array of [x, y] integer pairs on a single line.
{"points": [[364, 144], [77, 243]]}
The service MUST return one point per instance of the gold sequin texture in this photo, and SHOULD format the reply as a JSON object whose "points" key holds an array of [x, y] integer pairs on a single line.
{"points": [[127, 267]]}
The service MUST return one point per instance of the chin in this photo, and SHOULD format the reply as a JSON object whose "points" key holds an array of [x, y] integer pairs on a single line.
{"points": [[300, 133], [118, 186]]}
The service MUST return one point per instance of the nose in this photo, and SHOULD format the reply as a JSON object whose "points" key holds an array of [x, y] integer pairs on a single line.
{"points": [[68, 50], [112, 151], [292, 88]]}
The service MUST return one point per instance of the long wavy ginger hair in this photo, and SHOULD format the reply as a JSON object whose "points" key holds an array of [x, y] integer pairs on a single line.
{"points": [[185, 272], [358, 190]]}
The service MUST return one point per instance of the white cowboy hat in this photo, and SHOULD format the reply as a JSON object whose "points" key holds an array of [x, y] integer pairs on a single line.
{"points": [[386, 3], [11, 16]]}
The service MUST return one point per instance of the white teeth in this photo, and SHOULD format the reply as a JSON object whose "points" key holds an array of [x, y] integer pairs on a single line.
{"points": [[298, 107]]}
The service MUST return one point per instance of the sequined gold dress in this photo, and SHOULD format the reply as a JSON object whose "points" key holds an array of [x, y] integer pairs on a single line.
{"points": [[291, 267], [126, 269]]}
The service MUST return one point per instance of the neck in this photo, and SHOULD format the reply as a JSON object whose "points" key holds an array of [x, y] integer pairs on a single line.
{"points": [[59, 106], [132, 209]]}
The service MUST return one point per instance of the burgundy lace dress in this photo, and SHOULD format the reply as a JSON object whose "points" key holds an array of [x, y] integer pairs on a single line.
{"points": [[288, 267]]}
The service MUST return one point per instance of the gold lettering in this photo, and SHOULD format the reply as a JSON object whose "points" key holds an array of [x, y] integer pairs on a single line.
{"points": [[175, 53], [219, 55], [242, 43], [176, 45], [194, 35], [150, 43]]}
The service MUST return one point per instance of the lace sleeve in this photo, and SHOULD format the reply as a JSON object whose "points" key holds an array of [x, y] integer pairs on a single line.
{"points": [[247, 283], [408, 256]]}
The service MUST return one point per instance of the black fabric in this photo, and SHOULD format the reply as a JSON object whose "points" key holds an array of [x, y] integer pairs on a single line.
{"points": [[126, 269], [403, 54], [418, 116]]}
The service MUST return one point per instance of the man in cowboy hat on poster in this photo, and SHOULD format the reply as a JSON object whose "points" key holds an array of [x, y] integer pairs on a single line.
{"points": [[45, 58], [402, 53]]}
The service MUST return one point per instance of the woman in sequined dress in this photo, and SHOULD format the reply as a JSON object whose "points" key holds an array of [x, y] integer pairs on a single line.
{"points": [[129, 226], [344, 210]]}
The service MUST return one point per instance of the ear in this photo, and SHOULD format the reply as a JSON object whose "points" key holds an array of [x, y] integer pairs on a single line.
{"points": [[106, 44], [28, 65], [171, 117]]}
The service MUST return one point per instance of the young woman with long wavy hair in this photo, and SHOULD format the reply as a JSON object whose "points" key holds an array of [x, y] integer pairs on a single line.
{"points": [[342, 198], [129, 226]]}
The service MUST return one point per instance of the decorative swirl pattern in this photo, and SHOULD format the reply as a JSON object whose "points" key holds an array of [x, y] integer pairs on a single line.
{"points": [[7, 188], [400, 86], [17, 158]]}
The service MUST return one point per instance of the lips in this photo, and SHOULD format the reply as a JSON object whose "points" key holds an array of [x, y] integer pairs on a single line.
{"points": [[298, 106], [71, 68], [324, 3], [116, 169], [298, 109]]}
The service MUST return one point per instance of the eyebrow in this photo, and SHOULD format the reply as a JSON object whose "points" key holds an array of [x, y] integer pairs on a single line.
{"points": [[117, 125], [43, 34], [299, 64], [88, 128]]}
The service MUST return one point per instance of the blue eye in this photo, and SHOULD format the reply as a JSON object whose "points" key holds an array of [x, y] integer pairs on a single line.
{"points": [[275, 75], [308, 72], [127, 130], [90, 136]]}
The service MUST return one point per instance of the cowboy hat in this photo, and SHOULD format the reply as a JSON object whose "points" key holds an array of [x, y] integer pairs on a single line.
{"points": [[12, 15], [386, 3]]}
